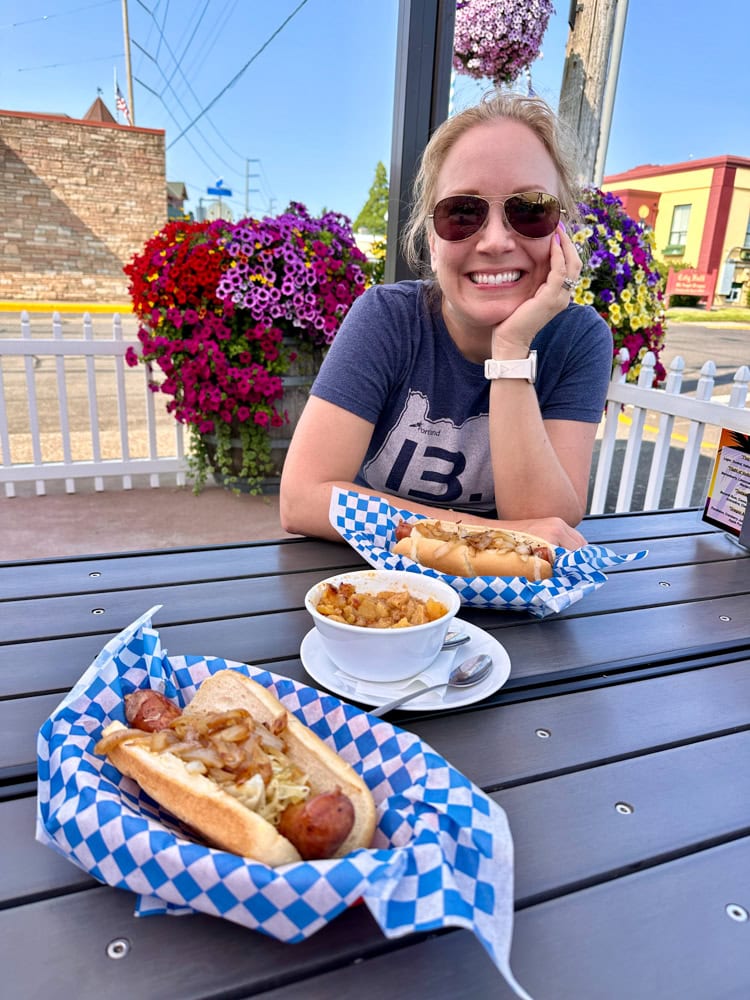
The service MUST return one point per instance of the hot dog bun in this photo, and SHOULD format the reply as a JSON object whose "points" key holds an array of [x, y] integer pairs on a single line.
{"points": [[220, 818], [473, 550]]}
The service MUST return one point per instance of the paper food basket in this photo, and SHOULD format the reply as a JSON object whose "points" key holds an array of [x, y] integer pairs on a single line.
{"points": [[442, 854], [369, 523]]}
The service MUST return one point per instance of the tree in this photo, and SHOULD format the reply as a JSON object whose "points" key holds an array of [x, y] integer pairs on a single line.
{"points": [[373, 216]]}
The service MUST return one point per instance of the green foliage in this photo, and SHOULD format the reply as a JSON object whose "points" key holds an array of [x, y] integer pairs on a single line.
{"points": [[735, 314], [375, 269], [372, 217]]}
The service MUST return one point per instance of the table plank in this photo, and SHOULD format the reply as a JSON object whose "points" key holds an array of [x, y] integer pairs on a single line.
{"points": [[568, 832], [663, 934], [31, 870], [590, 727], [190, 957], [110, 610], [611, 529], [93, 574]]}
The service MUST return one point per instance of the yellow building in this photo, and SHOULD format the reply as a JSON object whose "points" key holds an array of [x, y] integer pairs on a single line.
{"points": [[699, 212]]}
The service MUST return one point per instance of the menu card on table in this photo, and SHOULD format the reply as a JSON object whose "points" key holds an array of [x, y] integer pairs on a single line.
{"points": [[726, 503]]}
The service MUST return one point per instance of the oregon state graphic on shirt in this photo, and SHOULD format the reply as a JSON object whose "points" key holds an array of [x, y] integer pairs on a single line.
{"points": [[427, 460]]}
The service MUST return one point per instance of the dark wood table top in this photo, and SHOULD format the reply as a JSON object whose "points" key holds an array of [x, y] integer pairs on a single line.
{"points": [[619, 750]]}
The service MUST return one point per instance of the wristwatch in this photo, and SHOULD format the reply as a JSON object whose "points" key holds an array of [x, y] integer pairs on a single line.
{"points": [[523, 368]]}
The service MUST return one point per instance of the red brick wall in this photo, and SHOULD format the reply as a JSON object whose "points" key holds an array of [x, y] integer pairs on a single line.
{"points": [[77, 199]]}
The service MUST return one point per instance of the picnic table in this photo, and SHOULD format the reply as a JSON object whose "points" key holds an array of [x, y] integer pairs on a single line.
{"points": [[619, 749]]}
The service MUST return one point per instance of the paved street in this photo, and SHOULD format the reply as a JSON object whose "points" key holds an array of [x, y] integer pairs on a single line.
{"points": [[727, 347]]}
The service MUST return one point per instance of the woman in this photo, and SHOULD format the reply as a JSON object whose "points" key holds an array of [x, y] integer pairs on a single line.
{"points": [[404, 406]]}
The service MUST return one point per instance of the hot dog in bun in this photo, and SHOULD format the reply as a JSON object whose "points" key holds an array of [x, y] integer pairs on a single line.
{"points": [[243, 772], [473, 550]]}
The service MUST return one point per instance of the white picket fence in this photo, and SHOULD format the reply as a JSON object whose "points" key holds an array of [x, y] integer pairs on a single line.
{"points": [[700, 411], [106, 372], [145, 412]]}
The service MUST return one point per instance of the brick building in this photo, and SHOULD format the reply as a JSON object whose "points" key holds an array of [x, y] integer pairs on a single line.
{"points": [[78, 197]]}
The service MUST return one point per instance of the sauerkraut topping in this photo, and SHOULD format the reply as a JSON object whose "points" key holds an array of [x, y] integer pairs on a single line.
{"points": [[245, 758]]}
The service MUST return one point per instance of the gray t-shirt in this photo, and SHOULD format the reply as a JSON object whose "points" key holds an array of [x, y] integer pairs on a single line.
{"points": [[394, 364]]}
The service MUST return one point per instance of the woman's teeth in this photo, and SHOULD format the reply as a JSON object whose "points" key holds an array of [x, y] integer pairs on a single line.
{"points": [[495, 279]]}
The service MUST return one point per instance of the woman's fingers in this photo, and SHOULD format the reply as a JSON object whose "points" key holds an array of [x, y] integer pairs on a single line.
{"points": [[570, 265], [552, 529]]}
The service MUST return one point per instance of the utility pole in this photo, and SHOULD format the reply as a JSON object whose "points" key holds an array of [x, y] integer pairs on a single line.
{"points": [[248, 189], [586, 76], [128, 70], [610, 89]]}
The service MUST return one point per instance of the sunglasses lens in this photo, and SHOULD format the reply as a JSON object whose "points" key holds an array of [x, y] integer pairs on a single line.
{"points": [[459, 217], [533, 214]]}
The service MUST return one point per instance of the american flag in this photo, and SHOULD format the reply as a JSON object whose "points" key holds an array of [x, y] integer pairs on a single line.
{"points": [[122, 105]]}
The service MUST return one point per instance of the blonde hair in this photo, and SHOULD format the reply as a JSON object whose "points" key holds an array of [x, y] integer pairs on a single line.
{"points": [[533, 112]]}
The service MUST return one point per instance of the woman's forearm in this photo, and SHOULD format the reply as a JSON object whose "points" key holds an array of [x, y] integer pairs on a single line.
{"points": [[305, 512], [540, 484]]}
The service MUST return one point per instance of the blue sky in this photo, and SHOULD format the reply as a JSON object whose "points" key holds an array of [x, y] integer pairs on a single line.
{"points": [[309, 113]]}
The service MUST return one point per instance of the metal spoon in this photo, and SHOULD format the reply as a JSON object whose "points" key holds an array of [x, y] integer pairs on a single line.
{"points": [[453, 639], [471, 671]]}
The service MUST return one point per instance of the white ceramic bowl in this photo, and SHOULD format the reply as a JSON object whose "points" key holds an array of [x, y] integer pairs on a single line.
{"points": [[384, 654]]}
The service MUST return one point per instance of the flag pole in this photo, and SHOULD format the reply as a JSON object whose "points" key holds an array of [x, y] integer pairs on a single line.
{"points": [[128, 70]]}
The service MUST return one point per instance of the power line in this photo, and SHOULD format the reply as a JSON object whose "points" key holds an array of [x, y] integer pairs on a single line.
{"points": [[168, 86], [177, 68], [77, 62], [189, 43], [62, 13], [235, 78], [211, 168]]}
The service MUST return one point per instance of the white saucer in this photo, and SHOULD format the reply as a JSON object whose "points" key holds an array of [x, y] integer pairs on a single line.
{"points": [[322, 670]]}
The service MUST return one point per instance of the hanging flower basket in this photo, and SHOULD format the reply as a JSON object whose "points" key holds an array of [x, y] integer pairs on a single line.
{"points": [[226, 309], [498, 39], [620, 278]]}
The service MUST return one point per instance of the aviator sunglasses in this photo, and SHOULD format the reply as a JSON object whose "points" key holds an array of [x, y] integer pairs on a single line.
{"points": [[533, 214]]}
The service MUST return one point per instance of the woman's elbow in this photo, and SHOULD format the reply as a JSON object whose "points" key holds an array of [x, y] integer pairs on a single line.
{"points": [[289, 511]]}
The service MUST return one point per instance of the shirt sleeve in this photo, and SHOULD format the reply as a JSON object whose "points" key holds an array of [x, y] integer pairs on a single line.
{"points": [[574, 374]]}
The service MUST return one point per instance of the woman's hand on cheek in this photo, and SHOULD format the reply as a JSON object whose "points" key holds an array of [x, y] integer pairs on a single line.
{"points": [[551, 298]]}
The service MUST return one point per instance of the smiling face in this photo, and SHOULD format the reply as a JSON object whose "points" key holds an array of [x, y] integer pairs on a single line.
{"points": [[486, 277]]}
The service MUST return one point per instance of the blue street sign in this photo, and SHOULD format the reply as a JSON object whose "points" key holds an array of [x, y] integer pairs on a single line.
{"points": [[220, 192]]}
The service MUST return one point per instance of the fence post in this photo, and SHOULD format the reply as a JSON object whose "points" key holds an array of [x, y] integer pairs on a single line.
{"points": [[607, 445], [695, 437], [635, 437], [663, 439]]}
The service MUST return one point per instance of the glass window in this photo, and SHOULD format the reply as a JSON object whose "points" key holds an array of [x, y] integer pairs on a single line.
{"points": [[747, 234], [679, 228]]}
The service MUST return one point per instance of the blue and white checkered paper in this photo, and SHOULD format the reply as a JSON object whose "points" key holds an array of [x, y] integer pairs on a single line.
{"points": [[369, 525], [442, 854]]}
